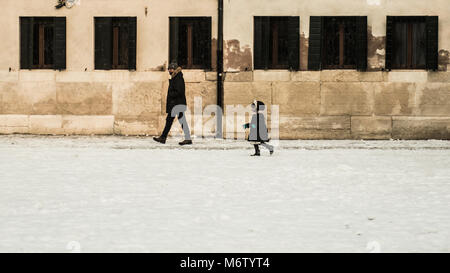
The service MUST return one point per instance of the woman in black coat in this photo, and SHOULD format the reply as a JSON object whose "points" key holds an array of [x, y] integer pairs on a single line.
{"points": [[176, 95], [176, 105]]}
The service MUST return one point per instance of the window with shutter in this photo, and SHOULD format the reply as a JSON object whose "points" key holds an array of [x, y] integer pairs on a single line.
{"points": [[115, 43], [190, 42], [276, 42], [411, 42], [338, 42], [43, 43]]}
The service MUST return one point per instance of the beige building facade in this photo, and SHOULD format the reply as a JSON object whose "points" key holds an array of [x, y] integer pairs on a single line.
{"points": [[324, 104]]}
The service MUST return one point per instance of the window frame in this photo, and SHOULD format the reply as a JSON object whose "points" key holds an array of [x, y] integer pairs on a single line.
{"points": [[105, 46], [267, 43], [316, 41], [431, 40], [29, 48], [117, 27], [41, 23], [409, 21], [274, 49], [204, 25], [344, 20]]}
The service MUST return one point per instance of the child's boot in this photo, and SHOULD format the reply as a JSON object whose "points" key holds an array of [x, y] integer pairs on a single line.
{"points": [[257, 153], [269, 147]]}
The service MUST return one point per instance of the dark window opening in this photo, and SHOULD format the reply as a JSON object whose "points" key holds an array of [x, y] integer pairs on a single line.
{"points": [[43, 42], [120, 43], [276, 42], [339, 43], [115, 43], [190, 42], [410, 44], [278, 50]]}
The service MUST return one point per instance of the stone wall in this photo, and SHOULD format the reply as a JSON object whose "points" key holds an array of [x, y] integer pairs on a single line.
{"points": [[331, 104], [110, 102], [344, 104]]}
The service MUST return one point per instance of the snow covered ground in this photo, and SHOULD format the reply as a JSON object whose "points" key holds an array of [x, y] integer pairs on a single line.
{"points": [[117, 194]]}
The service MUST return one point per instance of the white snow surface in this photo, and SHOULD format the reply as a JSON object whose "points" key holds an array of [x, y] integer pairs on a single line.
{"points": [[129, 194]]}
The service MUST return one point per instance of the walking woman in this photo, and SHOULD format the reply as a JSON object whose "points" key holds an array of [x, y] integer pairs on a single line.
{"points": [[175, 105]]}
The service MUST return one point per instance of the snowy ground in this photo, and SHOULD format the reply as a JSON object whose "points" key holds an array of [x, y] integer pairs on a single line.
{"points": [[117, 194]]}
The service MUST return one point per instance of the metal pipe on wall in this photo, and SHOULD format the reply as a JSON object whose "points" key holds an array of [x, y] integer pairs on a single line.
{"points": [[219, 125]]}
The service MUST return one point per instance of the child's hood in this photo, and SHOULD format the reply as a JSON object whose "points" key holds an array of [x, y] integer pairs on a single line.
{"points": [[260, 106]]}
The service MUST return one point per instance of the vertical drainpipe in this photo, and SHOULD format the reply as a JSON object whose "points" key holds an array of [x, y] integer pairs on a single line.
{"points": [[219, 129]]}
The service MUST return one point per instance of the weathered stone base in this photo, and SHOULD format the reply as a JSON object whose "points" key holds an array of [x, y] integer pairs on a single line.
{"points": [[56, 124], [371, 127], [421, 128], [332, 127], [315, 128]]}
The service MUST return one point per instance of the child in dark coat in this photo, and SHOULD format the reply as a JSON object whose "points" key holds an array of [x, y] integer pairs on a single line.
{"points": [[259, 134]]}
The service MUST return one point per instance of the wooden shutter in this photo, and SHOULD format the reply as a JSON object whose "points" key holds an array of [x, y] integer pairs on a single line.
{"points": [[59, 42], [132, 38], [389, 42], [205, 42], [103, 43], [294, 42], [315, 43], [261, 42], [174, 40], [361, 43], [432, 42], [26, 42]]}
